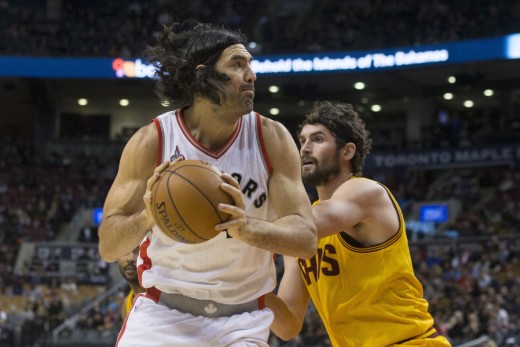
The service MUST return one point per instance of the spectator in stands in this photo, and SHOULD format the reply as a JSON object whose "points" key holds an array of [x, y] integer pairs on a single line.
{"points": [[55, 309], [69, 285], [96, 318], [330, 26], [6, 333], [88, 233]]}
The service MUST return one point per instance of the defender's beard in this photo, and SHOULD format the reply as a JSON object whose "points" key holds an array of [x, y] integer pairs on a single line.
{"points": [[322, 173]]}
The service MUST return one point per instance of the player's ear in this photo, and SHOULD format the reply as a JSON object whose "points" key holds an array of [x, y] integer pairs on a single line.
{"points": [[349, 150]]}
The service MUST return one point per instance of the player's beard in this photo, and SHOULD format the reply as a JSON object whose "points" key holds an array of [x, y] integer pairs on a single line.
{"points": [[234, 105], [323, 171], [128, 277]]}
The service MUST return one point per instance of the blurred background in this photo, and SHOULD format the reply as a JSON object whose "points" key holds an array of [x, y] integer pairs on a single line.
{"points": [[437, 81]]}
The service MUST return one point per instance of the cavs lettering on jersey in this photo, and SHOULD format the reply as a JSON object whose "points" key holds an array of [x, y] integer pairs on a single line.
{"points": [[368, 296], [222, 269]]}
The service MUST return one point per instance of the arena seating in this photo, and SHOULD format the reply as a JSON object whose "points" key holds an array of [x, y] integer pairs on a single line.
{"points": [[123, 28]]}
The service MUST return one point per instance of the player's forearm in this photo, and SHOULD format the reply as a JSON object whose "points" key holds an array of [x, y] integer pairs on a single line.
{"points": [[296, 236], [291, 235], [119, 235], [286, 324]]}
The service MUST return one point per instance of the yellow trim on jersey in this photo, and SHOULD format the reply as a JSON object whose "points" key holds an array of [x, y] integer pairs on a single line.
{"points": [[373, 248], [128, 302]]}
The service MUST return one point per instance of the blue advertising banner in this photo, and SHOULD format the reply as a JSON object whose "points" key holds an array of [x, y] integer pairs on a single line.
{"points": [[434, 213], [56, 67], [499, 48], [460, 157]]}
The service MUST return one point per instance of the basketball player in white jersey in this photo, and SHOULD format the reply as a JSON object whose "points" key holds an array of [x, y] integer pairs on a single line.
{"points": [[208, 294]]}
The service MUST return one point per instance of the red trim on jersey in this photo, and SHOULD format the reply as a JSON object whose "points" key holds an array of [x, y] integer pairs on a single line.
{"points": [[261, 302], [262, 143], [147, 262], [153, 293], [123, 328], [160, 148], [199, 146]]}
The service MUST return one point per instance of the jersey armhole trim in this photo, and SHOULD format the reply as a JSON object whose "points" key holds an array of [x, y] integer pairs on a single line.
{"points": [[262, 144], [160, 139], [351, 244]]}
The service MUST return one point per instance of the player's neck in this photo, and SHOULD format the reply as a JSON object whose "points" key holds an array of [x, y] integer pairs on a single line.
{"points": [[136, 287], [326, 190], [207, 127]]}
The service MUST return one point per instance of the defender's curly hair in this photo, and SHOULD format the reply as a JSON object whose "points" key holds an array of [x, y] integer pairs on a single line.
{"points": [[345, 123], [178, 52]]}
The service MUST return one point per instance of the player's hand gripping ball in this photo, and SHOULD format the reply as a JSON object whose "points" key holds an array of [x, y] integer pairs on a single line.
{"points": [[185, 201]]}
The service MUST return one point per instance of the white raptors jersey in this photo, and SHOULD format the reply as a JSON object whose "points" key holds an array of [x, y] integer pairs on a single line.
{"points": [[222, 269]]}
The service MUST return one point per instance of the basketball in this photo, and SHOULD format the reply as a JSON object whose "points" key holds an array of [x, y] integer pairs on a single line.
{"points": [[185, 201]]}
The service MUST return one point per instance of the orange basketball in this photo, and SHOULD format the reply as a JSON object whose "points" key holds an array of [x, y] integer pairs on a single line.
{"points": [[185, 201]]}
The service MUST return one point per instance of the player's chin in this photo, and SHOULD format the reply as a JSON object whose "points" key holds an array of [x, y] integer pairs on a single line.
{"points": [[248, 100], [247, 107], [131, 273], [308, 176], [307, 170]]}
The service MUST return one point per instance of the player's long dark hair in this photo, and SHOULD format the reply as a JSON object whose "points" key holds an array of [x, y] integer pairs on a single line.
{"points": [[178, 52], [346, 125]]}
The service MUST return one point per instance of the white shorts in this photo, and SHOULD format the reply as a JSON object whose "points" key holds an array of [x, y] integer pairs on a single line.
{"points": [[151, 324]]}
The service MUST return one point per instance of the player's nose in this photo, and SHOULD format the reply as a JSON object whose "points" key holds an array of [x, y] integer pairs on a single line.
{"points": [[250, 75]]}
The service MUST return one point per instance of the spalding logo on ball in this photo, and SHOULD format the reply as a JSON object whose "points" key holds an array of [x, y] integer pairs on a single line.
{"points": [[185, 201]]}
